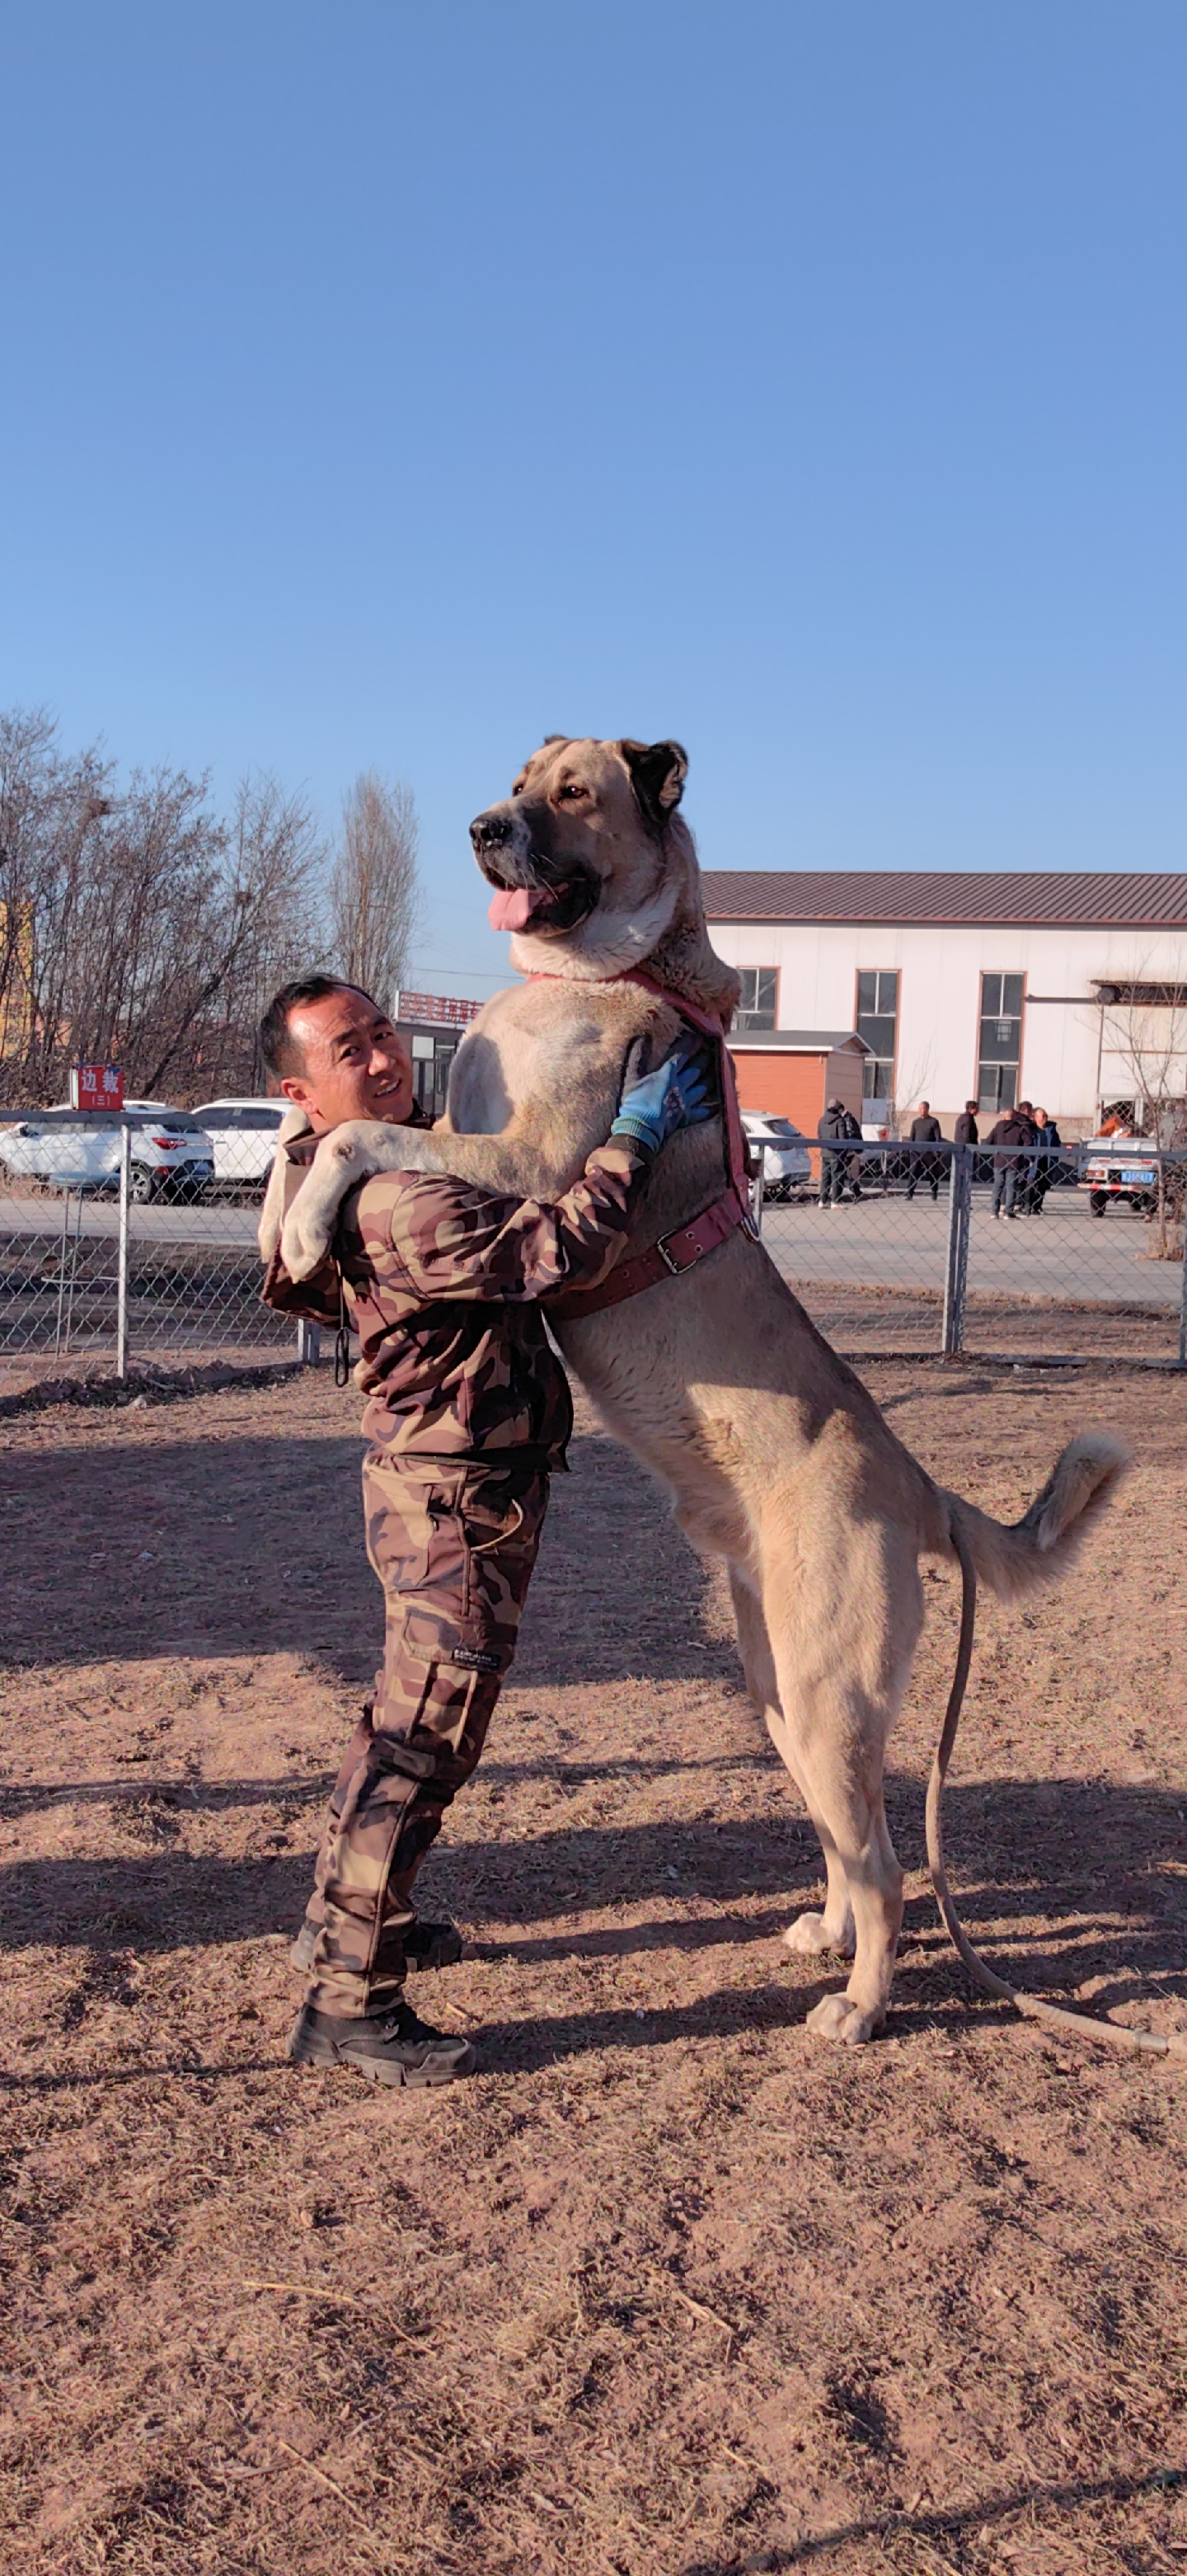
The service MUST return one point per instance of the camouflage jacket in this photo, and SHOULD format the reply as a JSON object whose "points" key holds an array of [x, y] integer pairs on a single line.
{"points": [[442, 1281]]}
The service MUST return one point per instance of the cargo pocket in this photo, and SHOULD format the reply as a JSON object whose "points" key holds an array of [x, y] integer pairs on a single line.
{"points": [[401, 1527]]}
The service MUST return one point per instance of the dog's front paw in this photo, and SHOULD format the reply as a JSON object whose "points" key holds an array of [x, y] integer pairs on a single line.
{"points": [[309, 1227], [268, 1232]]}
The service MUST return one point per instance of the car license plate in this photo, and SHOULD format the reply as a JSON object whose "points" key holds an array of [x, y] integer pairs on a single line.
{"points": [[1138, 1172]]}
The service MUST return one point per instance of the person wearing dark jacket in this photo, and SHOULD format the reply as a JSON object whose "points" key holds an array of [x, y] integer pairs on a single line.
{"points": [[1026, 1171], [965, 1131], [837, 1127], [1048, 1147], [925, 1130], [1011, 1135]]}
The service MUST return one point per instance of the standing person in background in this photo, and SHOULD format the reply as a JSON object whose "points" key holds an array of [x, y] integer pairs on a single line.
{"points": [[925, 1130], [838, 1126], [1048, 1145], [1026, 1171], [966, 1131], [1011, 1134]]}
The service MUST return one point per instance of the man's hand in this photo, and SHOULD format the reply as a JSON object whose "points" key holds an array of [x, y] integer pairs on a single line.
{"points": [[682, 1092]]}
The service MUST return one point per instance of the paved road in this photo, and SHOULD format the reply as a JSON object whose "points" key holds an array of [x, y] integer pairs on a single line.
{"points": [[220, 1221], [882, 1243], [898, 1243]]}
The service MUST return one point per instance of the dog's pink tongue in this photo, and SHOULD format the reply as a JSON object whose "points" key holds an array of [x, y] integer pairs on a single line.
{"points": [[510, 909]]}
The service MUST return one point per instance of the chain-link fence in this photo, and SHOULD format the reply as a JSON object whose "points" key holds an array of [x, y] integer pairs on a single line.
{"points": [[1075, 1253], [135, 1239]]}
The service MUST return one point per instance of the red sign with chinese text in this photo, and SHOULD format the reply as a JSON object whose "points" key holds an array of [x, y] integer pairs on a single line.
{"points": [[96, 1086]]}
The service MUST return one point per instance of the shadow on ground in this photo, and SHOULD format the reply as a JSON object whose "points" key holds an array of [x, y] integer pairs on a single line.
{"points": [[260, 1543], [1023, 1856], [1033, 2501]]}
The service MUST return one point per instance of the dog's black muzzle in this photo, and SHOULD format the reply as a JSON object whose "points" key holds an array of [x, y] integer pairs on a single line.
{"points": [[563, 891]]}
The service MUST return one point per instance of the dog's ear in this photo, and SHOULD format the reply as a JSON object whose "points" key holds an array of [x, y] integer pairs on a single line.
{"points": [[658, 771]]}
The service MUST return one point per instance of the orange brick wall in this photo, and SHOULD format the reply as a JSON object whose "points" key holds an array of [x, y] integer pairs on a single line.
{"points": [[797, 1086]]}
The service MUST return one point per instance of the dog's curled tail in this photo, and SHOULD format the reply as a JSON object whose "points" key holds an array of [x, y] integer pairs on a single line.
{"points": [[1037, 1549], [1015, 1558]]}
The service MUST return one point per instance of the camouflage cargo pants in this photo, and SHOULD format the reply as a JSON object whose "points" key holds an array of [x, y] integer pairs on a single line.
{"points": [[454, 1552]]}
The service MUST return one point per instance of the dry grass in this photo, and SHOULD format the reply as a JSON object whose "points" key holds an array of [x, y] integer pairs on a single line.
{"points": [[669, 2289]]}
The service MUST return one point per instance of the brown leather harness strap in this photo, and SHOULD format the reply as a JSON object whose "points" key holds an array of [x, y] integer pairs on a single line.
{"points": [[687, 1244]]}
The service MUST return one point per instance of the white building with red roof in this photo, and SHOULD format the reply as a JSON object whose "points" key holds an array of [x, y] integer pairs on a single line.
{"points": [[1063, 988]]}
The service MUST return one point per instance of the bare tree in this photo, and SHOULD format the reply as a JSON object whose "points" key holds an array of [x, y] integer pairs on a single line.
{"points": [[375, 896], [52, 810], [140, 927], [1143, 1051], [910, 1093], [263, 923]]}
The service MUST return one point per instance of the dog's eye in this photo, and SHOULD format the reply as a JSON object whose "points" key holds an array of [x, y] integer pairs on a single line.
{"points": [[570, 790]]}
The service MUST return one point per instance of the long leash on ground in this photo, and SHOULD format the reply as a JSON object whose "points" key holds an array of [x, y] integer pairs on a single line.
{"points": [[1113, 2034], [686, 1244]]}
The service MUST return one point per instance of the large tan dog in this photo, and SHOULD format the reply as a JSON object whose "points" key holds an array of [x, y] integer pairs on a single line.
{"points": [[776, 1456]]}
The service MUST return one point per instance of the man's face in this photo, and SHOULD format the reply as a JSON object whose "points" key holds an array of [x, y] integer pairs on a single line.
{"points": [[355, 1064]]}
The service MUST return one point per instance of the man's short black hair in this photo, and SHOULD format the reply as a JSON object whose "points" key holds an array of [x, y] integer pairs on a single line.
{"points": [[278, 1046]]}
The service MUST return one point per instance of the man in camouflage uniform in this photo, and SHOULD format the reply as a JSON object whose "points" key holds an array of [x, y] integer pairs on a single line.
{"points": [[469, 1413]]}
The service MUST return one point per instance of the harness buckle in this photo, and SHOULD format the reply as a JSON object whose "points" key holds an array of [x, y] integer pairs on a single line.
{"points": [[665, 1256]]}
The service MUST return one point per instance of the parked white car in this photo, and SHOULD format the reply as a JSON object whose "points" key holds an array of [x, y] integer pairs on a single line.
{"points": [[785, 1163], [241, 1135], [170, 1154]]}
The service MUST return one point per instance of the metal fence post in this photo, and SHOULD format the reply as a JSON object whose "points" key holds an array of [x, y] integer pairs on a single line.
{"points": [[121, 1276], [1183, 1284], [66, 1198], [960, 1193], [308, 1343]]}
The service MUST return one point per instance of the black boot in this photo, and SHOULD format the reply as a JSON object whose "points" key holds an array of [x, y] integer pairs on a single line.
{"points": [[390, 2048]]}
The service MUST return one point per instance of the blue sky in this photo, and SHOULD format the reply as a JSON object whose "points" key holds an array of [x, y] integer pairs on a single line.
{"points": [[390, 386]]}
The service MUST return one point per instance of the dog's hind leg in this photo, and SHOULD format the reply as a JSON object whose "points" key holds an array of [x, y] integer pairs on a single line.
{"points": [[844, 1615], [834, 1929]]}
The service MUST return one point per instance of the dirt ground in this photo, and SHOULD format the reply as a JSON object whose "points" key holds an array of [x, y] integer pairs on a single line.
{"points": [[668, 2289]]}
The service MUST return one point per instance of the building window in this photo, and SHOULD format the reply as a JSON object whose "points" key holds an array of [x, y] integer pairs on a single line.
{"points": [[432, 1052], [1000, 1051], [877, 1023], [756, 1002]]}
